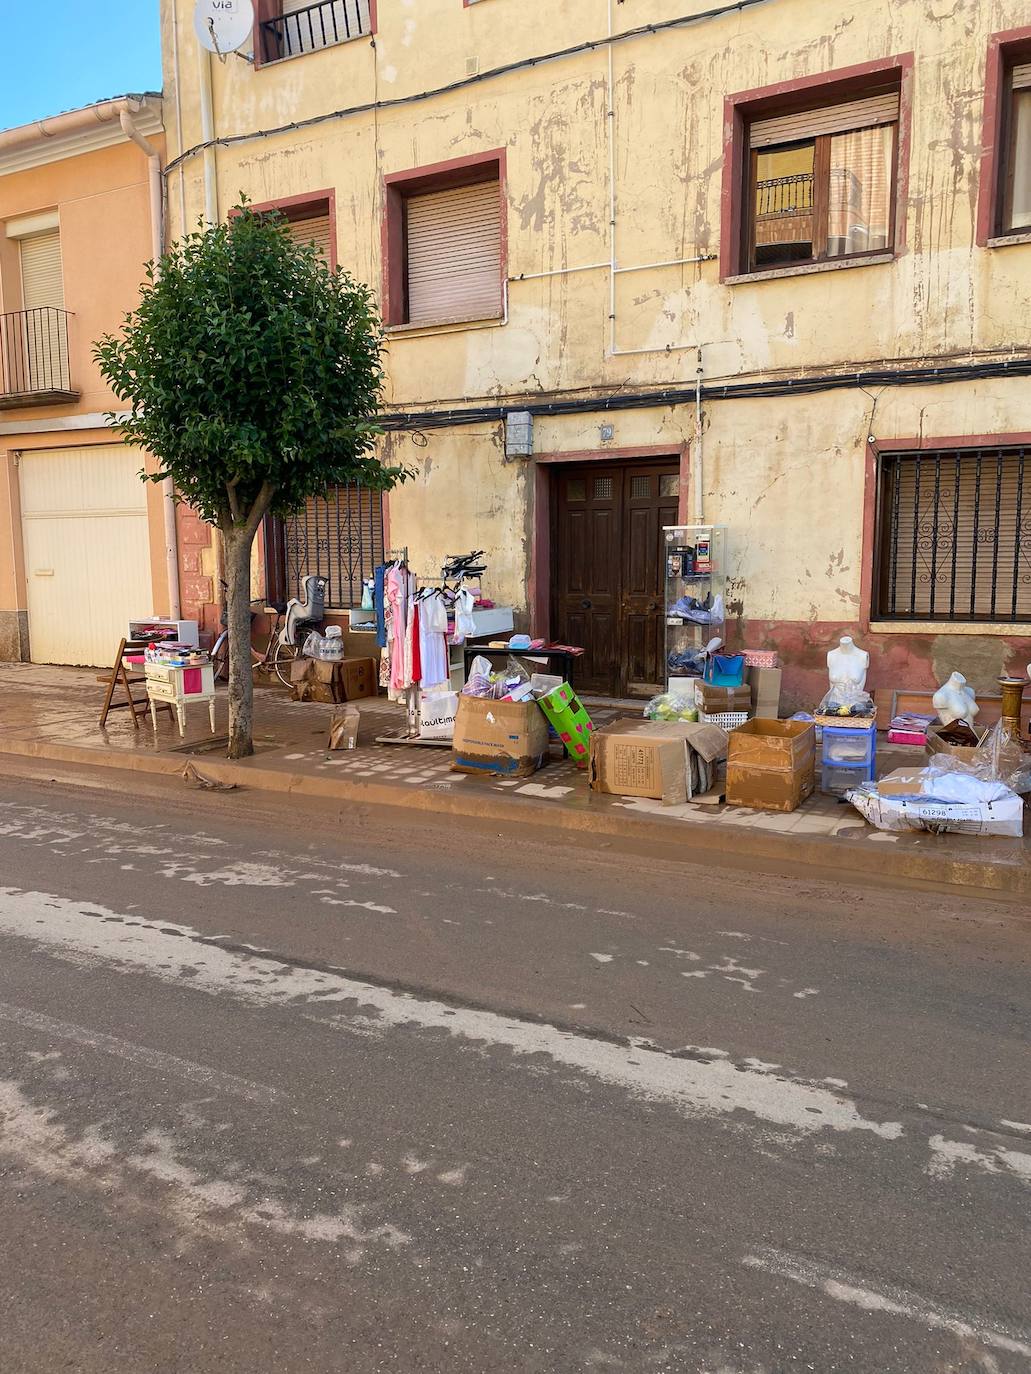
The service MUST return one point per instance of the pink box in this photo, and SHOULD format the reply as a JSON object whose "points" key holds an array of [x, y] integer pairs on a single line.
{"points": [[761, 658], [192, 681], [907, 737]]}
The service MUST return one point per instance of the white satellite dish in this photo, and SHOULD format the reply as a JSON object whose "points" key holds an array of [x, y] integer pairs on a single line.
{"points": [[223, 25]]}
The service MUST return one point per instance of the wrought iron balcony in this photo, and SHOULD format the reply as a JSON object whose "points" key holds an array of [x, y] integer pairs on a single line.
{"points": [[321, 25], [34, 358]]}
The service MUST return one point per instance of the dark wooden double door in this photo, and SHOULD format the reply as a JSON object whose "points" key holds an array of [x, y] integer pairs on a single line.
{"points": [[608, 571]]}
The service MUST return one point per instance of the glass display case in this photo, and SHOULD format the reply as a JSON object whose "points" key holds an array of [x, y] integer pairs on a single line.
{"points": [[696, 580]]}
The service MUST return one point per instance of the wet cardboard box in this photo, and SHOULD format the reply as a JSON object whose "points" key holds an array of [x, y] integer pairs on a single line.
{"points": [[771, 765], [650, 758]]}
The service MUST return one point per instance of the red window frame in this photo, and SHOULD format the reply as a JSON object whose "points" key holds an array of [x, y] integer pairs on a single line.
{"points": [[437, 176], [1004, 50], [785, 97]]}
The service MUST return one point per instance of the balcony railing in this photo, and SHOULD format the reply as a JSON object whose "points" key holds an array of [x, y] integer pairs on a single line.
{"points": [[34, 357], [315, 26], [785, 195]]}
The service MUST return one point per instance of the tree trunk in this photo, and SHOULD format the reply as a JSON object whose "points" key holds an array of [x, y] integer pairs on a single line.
{"points": [[237, 544]]}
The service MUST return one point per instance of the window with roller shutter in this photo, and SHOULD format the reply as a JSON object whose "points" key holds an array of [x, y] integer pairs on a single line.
{"points": [[453, 254], [445, 260], [316, 230], [814, 170]]}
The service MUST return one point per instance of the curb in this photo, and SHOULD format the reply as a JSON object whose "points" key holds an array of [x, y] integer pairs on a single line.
{"points": [[693, 843]]}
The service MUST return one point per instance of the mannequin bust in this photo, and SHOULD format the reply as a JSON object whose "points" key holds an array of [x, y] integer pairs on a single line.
{"points": [[955, 700], [848, 664]]}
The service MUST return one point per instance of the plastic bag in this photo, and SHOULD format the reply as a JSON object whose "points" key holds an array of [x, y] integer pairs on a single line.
{"points": [[671, 706], [691, 662], [312, 646], [846, 699], [999, 758]]}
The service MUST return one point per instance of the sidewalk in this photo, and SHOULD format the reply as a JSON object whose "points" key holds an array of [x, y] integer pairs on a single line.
{"points": [[51, 713]]}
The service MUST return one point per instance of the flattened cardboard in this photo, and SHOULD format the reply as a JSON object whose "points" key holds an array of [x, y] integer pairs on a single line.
{"points": [[343, 728], [903, 782], [509, 738]]}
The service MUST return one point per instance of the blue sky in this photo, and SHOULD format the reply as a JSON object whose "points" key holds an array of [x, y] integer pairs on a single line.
{"points": [[67, 53]]}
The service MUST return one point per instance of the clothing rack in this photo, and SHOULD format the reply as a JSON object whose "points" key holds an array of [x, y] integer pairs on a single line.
{"points": [[410, 734]]}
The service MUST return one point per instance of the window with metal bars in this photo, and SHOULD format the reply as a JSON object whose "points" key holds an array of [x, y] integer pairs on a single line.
{"points": [[338, 536], [954, 535]]}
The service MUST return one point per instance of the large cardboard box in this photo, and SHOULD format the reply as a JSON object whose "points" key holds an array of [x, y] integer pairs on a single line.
{"points": [[649, 758], [504, 737], [765, 687], [771, 765], [358, 678]]}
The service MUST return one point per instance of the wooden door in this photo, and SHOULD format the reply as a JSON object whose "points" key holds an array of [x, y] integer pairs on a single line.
{"points": [[651, 497], [608, 571]]}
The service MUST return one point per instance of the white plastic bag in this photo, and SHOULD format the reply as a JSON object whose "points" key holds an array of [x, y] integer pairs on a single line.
{"points": [[312, 645], [437, 711]]}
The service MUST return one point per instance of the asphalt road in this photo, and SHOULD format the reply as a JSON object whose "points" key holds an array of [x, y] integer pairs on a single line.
{"points": [[341, 1090]]}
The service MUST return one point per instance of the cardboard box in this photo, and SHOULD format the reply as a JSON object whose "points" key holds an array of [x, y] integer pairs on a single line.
{"points": [[313, 680], [765, 687], [358, 678], [936, 745], [649, 758], [502, 737], [567, 716], [714, 699], [771, 765], [343, 728]]}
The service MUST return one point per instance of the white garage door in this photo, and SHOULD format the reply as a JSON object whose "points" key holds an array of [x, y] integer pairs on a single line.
{"points": [[87, 560]]}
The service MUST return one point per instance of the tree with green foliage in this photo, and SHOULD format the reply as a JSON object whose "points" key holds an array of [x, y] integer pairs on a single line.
{"points": [[253, 371]]}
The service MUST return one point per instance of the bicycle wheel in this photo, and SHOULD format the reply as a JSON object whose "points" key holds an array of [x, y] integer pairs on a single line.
{"points": [[281, 661], [220, 658]]}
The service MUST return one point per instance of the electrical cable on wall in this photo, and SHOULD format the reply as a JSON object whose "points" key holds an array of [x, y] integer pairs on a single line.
{"points": [[642, 31]]}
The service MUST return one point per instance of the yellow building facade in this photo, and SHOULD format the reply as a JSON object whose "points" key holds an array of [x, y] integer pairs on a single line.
{"points": [[766, 267]]}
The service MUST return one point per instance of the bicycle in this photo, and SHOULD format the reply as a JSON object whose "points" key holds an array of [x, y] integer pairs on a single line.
{"points": [[292, 619]]}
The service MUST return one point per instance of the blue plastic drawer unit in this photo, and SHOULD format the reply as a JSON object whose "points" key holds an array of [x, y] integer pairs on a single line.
{"points": [[849, 757]]}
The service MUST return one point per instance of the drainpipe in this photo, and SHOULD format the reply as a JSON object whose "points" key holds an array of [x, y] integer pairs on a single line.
{"points": [[207, 121], [157, 247], [697, 455]]}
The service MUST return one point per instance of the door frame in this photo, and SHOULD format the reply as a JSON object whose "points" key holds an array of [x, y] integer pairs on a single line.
{"points": [[541, 565]]}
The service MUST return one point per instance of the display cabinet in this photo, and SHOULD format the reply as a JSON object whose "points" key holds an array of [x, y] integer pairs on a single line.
{"points": [[695, 581]]}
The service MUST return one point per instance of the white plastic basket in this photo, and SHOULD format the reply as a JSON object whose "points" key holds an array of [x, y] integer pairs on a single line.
{"points": [[726, 720]]}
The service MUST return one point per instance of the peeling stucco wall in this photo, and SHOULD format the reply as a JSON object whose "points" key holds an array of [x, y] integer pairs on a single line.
{"points": [[787, 476]]}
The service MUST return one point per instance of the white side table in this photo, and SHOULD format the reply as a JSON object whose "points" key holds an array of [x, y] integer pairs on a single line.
{"points": [[180, 687]]}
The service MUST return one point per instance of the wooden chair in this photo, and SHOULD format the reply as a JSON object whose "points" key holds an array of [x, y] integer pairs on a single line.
{"points": [[125, 678]]}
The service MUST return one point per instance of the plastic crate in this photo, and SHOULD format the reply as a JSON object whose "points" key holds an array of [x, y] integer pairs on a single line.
{"points": [[849, 745], [726, 720], [836, 779]]}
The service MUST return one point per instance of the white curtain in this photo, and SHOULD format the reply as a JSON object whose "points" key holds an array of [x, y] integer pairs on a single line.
{"points": [[860, 189], [1020, 206]]}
